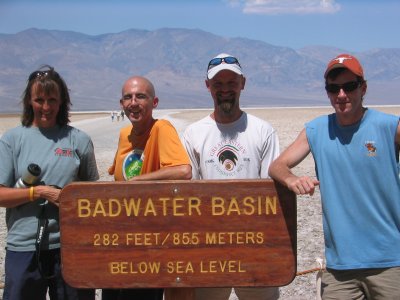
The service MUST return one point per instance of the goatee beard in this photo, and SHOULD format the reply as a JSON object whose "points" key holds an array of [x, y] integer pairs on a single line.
{"points": [[226, 106]]}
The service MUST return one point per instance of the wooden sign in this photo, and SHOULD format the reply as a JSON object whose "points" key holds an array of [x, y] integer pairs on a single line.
{"points": [[198, 233]]}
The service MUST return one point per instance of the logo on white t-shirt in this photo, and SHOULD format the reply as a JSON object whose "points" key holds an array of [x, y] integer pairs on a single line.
{"points": [[227, 157]]}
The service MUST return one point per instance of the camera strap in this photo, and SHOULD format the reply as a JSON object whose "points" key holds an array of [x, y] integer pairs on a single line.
{"points": [[43, 222]]}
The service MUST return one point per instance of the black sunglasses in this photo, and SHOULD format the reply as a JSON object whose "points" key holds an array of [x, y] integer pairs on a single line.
{"points": [[347, 87], [217, 61], [41, 74]]}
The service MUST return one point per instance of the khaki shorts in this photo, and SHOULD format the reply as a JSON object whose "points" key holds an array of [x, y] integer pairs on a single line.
{"points": [[377, 284], [242, 293]]}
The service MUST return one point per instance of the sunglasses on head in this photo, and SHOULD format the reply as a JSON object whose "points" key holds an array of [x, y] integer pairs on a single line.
{"points": [[347, 87], [41, 74], [217, 61]]}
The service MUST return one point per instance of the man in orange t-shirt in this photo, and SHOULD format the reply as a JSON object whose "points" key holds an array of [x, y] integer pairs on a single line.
{"points": [[149, 149]]}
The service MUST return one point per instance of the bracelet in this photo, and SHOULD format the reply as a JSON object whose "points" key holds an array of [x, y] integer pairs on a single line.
{"points": [[31, 193]]}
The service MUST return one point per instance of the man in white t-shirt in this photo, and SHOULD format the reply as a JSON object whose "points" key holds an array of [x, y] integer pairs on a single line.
{"points": [[230, 144]]}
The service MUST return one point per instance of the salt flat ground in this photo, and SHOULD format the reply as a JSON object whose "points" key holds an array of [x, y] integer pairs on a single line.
{"points": [[287, 121]]}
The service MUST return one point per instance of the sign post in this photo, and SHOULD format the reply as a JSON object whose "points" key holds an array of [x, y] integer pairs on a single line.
{"points": [[178, 234]]}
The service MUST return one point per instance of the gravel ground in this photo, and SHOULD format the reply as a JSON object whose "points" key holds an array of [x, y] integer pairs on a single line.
{"points": [[287, 121]]}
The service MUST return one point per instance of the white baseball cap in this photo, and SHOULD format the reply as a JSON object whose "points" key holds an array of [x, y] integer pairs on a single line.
{"points": [[221, 62]]}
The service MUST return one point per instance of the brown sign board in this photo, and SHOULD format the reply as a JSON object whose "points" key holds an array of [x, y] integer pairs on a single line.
{"points": [[197, 233]]}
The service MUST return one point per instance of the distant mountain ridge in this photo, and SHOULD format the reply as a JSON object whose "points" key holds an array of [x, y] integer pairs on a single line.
{"points": [[95, 67]]}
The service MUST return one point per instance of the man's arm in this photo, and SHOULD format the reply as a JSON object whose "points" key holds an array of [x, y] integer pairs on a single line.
{"points": [[188, 144], [269, 154], [291, 157], [174, 172], [398, 134]]}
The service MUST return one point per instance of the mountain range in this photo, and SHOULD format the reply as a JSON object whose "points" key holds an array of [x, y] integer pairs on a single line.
{"points": [[175, 60]]}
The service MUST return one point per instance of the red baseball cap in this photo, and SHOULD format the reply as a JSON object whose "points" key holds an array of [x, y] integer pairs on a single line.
{"points": [[345, 61]]}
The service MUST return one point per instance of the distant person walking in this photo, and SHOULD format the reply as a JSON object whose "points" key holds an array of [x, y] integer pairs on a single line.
{"points": [[122, 115], [112, 116], [355, 150]]}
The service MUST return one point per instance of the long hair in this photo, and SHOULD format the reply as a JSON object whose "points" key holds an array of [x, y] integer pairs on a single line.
{"points": [[49, 81]]}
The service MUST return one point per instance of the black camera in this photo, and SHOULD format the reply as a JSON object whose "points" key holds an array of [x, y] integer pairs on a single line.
{"points": [[29, 177]]}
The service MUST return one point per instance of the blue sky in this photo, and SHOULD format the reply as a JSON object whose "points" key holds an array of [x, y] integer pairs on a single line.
{"points": [[353, 25]]}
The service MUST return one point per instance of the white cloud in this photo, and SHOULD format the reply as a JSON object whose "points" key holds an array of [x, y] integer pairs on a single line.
{"points": [[276, 7]]}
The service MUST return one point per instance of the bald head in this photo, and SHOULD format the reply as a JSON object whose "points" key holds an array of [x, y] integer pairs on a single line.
{"points": [[138, 101], [139, 81]]}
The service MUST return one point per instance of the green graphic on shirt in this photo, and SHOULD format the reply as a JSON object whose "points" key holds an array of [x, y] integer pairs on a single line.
{"points": [[133, 163]]}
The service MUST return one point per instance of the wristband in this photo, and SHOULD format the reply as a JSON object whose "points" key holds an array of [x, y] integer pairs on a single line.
{"points": [[31, 192]]}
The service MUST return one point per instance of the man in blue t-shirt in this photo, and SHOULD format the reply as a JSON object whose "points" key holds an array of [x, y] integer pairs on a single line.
{"points": [[356, 159]]}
